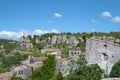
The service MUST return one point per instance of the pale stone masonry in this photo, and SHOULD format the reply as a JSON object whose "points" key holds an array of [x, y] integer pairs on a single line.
{"points": [[27, 67], [111, 79], [66, 65], [6, 76], [105, 54]]}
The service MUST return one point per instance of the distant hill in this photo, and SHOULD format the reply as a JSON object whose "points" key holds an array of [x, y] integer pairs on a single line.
{"points": [[8, 44]]}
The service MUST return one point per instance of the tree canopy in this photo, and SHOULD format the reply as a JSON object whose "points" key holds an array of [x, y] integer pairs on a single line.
{"points": [[46, 72], [115, 72]]}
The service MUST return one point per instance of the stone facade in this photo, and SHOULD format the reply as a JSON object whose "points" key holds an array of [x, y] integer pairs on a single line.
{"points": [[73, 53], [104, 53], [22, 71], [108, 38], [65, 65], [111, 79], [6, 76], [26, 68], [51, 51], [1, 47]]}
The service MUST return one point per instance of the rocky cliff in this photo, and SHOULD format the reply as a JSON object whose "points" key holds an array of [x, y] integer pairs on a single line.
{"points": [[64, 40]]}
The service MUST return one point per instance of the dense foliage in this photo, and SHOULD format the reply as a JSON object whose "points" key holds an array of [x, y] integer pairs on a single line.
{"points": [[8, 44], [11, 60], [46, 72], [85, 72], [91, 72], [115, 72], [16, 78]]}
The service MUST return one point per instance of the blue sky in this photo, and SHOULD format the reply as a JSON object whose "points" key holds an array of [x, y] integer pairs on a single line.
{"points": [[41, 16]]}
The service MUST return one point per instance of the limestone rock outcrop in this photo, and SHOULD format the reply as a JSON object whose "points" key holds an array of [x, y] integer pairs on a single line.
{"points": [[24, 42], [64, 39]]}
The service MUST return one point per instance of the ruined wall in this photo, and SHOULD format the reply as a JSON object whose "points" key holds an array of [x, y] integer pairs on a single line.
{"points": [[105, 54]]}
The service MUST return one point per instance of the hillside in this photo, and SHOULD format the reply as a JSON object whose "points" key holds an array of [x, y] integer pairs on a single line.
{"points": [[32, 45]]}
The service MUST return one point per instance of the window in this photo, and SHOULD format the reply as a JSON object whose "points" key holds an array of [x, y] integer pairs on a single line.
{"points": [[21, 72], [105, 45], [105, 57]]}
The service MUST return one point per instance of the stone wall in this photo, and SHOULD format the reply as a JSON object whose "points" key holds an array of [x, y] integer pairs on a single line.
{"points": [[22, 71], [6, 76], [66, 65], [105, 54], [108, 38], [111, 79]]}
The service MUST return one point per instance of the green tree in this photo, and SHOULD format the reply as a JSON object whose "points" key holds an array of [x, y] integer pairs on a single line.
{"points": [[81, 61], [58, 76], [115, 72], [91, 72], [46, 72], [16, 78]]}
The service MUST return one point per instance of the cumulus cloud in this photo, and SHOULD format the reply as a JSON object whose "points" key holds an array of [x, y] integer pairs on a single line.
{"points": [[116, 19], [106, 14], [39, 32], [54, 31], [17, 35], [10, 34], [94, 21], [57, 15]]}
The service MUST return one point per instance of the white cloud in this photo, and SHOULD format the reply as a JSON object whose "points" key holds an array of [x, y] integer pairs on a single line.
{"points": [[106, 14], [57, 15], [94, 21], [54, 31], [17, 35], [39, 32], [116, 19], [10, 34]]}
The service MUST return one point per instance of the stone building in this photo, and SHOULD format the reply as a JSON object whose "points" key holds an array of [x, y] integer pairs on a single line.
{"points": [[26, 68], [104, 53], [6, 76], [1, 47], [111, 79], [52, 51], [73, 53], [22, 71], [65, 65]]}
